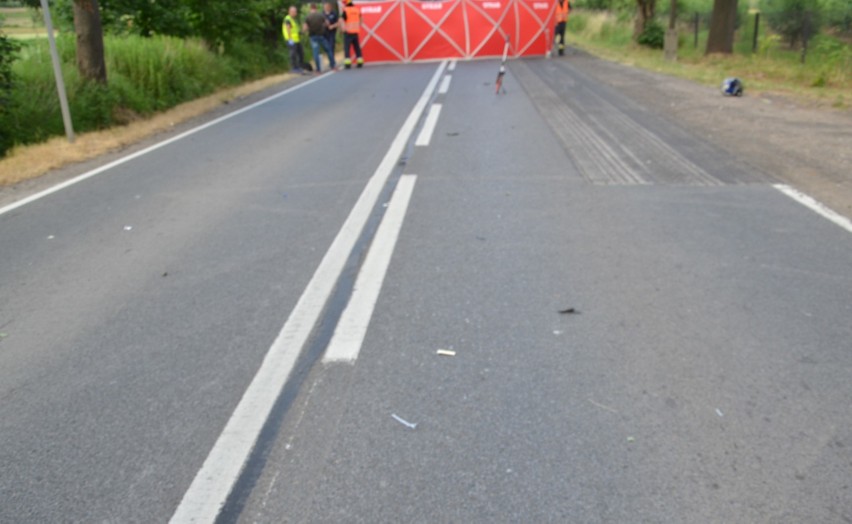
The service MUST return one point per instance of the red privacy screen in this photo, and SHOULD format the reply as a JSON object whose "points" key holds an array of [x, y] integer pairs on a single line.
{"points": [[410, 30]]}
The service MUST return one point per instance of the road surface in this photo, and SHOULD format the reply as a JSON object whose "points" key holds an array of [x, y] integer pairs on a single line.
{"points": [[243, 323]]}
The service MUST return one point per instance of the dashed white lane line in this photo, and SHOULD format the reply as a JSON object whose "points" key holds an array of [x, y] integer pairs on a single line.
{"points": [[816, 206], [425, 136], [128, 158], [452, 66], [209, 491], [352, 328], [445, 85]]}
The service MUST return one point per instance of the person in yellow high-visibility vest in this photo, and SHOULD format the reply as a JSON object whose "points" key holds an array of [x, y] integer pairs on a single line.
{"points": [[351, 28], [563, 7], [291, 28]]}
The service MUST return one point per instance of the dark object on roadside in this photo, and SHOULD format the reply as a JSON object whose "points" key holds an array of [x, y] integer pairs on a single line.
{"points": [[569, 311], [732, 87]]}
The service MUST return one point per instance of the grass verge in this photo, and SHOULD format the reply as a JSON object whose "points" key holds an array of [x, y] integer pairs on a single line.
{"points": [[26, 162], [824, 80]]}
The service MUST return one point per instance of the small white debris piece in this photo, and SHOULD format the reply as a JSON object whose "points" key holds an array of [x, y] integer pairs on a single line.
{"points": [[446, 352], [128, 228], [50, 237], [557, 332], [404, 422], [719, 412]]}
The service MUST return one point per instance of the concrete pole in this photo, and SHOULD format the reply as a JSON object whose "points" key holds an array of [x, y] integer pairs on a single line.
{"points": [[57, 73]]}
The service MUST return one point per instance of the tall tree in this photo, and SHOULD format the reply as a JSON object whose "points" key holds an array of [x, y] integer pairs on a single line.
{"points": [[645, 13], [90, 40], [723, 23]]}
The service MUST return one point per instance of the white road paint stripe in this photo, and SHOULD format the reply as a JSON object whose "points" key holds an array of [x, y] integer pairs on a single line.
{"points": [[816, 206], [425, 136], [350, 332], [213, 483], [452, 66], [128, 158], [445, 85]]}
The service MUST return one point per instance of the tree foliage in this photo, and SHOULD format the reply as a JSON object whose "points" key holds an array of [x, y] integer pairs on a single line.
{"points": [[794, 19], [646, 10], [220, 23], [8, 51]]}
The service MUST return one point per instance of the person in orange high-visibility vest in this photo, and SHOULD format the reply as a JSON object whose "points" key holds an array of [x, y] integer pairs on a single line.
{"points": [[563, 7], [351, 28]]}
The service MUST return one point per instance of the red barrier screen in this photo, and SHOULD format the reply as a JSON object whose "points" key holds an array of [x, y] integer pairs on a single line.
{"points": [[410, 30]]}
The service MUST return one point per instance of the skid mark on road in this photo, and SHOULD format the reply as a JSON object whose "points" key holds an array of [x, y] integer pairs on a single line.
{"points": [[608, 145]]}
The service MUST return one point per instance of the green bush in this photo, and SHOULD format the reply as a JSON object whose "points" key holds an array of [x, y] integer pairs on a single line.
{"points": [[145, 75], [654, 36], [8, 52]]}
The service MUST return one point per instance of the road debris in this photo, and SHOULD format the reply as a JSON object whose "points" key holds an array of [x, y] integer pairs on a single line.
{"points": [[569, 311], [404, 422], [719, 412], [50, 237], [732, 87], [453, 134], [631, 439], [4, 335], [557, 332], [447, 352], [128, 228], [602, 406]]}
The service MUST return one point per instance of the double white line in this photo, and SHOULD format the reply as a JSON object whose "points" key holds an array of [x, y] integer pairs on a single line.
{"points": [[214, 481]]}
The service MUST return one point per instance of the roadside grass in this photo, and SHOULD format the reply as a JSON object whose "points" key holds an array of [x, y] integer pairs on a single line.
{"points": [[27, 162], [145, 76], [825, 78]]}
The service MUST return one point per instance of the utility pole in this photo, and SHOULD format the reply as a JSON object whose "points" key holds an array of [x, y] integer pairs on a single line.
{"points": [[57, 73]]}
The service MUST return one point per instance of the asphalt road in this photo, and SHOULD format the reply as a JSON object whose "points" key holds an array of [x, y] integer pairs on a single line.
{"points": [[704, 375]]}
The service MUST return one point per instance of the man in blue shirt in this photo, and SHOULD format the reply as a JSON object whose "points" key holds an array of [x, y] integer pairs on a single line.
{"points": [[333, 20]]}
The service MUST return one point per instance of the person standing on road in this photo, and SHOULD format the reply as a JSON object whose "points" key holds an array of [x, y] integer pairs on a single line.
{"points": [[351, 28], [291, 30], [563, 7], [315, 23], [333, 20]]}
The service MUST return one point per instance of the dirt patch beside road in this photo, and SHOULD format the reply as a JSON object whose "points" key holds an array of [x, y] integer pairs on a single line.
{"points": [[806, 147]]}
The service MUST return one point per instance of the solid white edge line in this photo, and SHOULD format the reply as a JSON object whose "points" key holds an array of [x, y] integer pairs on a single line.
{"points": [[816, 206], [352, 328], [128, 158], [209, 491], [425, 136], [445, 85]]}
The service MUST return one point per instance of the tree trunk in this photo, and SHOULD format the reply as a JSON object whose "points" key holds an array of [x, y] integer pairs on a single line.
{"points": [[90, 41], [723, 23], [671, 41], [646, 10]]}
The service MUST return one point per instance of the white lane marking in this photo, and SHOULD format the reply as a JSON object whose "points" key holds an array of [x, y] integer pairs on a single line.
{"points": [[445, 85], [816, 206], [452, 66], [208, 492], [128, 158], [352, 328], [425, 136]]}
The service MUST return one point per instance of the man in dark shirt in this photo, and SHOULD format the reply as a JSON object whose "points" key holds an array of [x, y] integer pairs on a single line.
{"points": [[333, 20], [316, 24]]}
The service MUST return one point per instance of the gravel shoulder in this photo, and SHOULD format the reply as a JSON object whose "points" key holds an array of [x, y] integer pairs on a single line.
{"points": [[809, 148]]}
